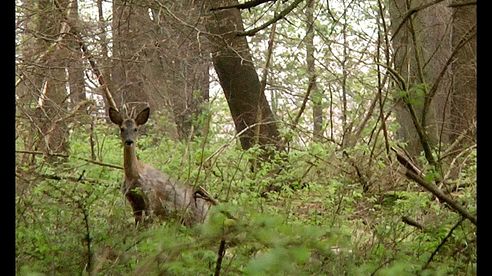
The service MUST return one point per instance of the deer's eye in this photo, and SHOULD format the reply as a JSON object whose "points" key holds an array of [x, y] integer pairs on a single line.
{"points": [[135, 129]]}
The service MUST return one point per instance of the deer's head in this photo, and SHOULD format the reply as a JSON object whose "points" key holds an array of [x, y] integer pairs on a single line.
{"points": [[129, 126]]}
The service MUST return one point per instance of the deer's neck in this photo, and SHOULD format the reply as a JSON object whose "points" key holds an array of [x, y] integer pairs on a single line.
{"points": [[131, 164]]}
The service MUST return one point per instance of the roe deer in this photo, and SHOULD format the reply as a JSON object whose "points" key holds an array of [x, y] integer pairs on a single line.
{"points": [[150, 191]]}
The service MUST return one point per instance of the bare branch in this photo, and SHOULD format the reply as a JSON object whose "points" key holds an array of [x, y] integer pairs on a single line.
{"points": [[443, 242], [466, 37], [220, 256], [457, 5], [411, 11], [246, 5], [276, 18], [65, 155], [303, 105], [89, 57]]}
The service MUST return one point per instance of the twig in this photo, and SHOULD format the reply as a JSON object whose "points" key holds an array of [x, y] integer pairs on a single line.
{"points": [[303, 105], [88, 238], [220, 256], [462, 136], [362, 178], [443, 242], [276, 18], [221, 148], [67, 178], [382, 265], [66, 155]]}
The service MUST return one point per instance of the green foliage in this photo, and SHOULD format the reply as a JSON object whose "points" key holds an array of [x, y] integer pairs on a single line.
{"points": [[319, 221], [415, 95]]}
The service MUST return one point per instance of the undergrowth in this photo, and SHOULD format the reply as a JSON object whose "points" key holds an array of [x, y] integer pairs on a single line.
{"points": [[323, 218]]}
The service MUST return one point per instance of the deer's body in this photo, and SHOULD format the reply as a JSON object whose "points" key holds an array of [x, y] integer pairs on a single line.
{"points": [[149, 191]]}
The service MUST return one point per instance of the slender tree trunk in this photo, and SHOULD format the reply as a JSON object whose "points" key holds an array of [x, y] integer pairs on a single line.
{"points": [[345, 130], [316, 94], [74, 63], [233, 63], [105, 59]]}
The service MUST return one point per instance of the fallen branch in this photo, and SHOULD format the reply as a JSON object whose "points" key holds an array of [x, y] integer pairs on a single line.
{"points": [[439, 194], [413, 223]]}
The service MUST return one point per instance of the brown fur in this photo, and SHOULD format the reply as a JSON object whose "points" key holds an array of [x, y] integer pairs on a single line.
{"points": [[149, 191]]}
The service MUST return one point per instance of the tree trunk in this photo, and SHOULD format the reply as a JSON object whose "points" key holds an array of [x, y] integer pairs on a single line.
{"points": [[52, 100], [129, 26], [345, 130], [159, 60], [316, 94], [237, 75], [183, 62], [464, 68], [75, 65], [105, 60], [421, 47]]}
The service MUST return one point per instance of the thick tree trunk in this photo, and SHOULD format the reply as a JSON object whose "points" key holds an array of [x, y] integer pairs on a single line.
{"points": [[129, 53], [183, 62], [237, 75], [421, 47], [464, 68], [51, 86], [160, 60]]}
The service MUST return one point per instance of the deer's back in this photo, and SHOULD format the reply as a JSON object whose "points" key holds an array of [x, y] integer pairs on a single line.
{"points": [[167, 197]]}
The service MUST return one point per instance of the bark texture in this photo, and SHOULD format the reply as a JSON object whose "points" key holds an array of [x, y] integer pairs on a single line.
{"points": [[421, 48], [464, 72], [237, 75], [317, 95]]}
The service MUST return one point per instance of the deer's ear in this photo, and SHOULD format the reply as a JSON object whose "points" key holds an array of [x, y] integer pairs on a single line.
{"points": [[115, 116], [143, 116]]}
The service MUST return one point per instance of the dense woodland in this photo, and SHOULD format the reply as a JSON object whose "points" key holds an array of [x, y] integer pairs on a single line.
{"points": [[318, 137]]}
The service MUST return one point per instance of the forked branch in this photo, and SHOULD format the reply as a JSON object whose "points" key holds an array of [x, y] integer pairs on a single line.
{"points": [[276, 18]]}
